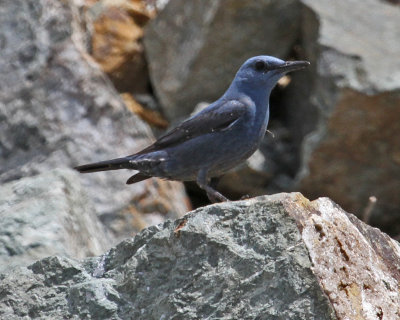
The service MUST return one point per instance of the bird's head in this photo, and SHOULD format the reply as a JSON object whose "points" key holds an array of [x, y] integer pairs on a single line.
{"points": [[265, 71]]}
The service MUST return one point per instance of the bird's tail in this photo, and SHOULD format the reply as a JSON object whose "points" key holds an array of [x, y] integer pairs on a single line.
{"points": [[114, 164]]}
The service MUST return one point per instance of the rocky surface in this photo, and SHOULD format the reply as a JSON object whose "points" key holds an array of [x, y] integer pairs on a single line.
{"points": [[356, 265], [48, 214], [353, 152], [57, 109], [272, 257], [194, 48], [239, 260]]}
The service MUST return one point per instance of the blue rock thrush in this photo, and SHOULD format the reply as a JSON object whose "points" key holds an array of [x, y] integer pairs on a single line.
{"points": [[216, 139]]}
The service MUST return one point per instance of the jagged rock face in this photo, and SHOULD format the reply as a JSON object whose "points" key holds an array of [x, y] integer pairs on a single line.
{"points": [[353, 152], [57, 109], [272, 257], [48, 214], [356, 265]]}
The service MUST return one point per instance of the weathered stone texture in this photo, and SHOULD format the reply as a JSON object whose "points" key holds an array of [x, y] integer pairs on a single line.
{"points": [[243, 260], [270, 257], [48, 214], [353, 152]]}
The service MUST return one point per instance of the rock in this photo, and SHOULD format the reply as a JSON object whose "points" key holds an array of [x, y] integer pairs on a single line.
{"points": [[116, 42], [152, 117], [57, 109], [233, 260], [356, 265], [278, 256], [46, 215], [208, 41], [352, 152], [158, 5]]}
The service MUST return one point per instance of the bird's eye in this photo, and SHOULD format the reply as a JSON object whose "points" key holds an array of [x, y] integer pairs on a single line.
{"points": [[260, 66]]}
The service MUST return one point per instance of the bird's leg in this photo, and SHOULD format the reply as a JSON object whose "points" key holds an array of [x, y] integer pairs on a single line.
{"points": [[214, 182], [204, 184]]}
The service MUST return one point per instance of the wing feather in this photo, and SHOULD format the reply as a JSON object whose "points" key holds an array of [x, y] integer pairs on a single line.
{"points": [[212, 119]]}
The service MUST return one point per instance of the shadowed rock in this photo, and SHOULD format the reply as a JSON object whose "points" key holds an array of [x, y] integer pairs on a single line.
{"points": [[353, 151]]}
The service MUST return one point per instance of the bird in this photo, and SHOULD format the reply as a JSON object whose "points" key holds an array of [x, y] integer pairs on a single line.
{"points": [[216, 139]]}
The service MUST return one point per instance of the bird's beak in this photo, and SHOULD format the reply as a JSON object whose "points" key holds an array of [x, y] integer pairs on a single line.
{"points": [[289, 66]]}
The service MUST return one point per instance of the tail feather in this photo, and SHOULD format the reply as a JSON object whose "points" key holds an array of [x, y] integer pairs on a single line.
{"points": [[114, 164], [137, 177]]}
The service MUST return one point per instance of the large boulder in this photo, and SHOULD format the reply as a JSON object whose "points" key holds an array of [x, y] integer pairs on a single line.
{"points": [[353, 151], [272, 257], [48, 214], [194, 48], [57, 109]]}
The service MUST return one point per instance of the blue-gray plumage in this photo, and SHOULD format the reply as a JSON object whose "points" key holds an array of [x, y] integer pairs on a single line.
{"points": [[216, 139]]}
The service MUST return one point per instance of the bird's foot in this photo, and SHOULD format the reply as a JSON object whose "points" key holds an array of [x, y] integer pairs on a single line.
{"points": [[214, 196], [245, 197]]}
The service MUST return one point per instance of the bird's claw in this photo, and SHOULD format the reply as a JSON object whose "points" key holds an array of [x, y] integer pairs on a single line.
{"points": [[216, 197]]}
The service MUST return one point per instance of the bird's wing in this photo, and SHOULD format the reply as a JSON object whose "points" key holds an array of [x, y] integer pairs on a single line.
{"points": [[213, 119]]}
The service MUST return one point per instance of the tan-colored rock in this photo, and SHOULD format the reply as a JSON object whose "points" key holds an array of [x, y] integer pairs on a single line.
{"points": [[357, 265], [152, 117], [116, 42]]}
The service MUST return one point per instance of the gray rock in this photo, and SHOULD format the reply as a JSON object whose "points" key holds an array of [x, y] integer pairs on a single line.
{"points": [[272, 257], [368, 42], [46, 215], [352, 153], [242, 260], [58, 110], [194, 48]]}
